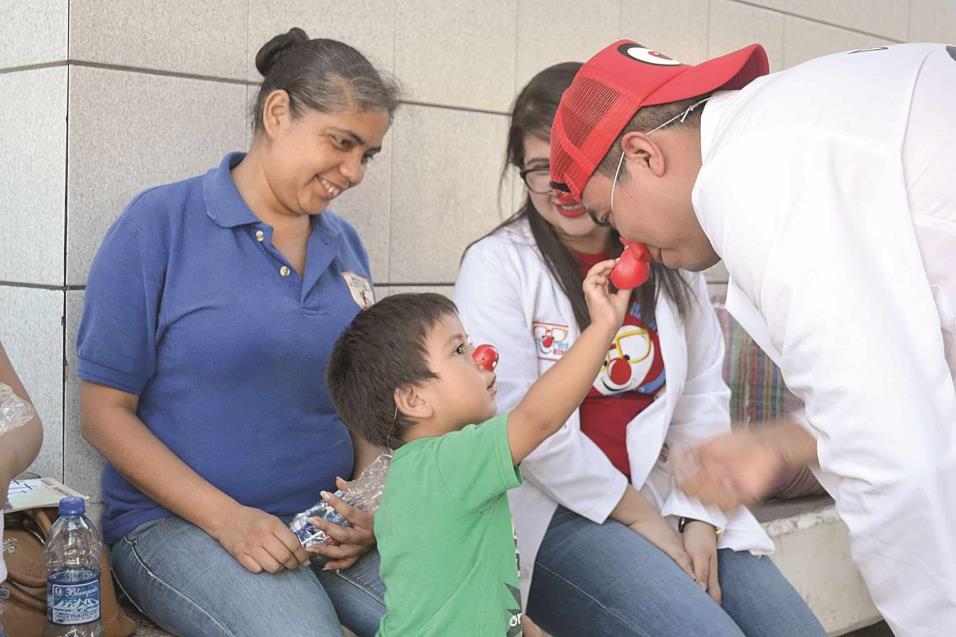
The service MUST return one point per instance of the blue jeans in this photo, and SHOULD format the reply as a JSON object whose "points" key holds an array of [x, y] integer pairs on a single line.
{"points": [[4, 595], [605, 579], [183, 580]]}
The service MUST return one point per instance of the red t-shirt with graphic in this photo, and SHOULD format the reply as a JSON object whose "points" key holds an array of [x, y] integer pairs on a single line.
{"points": [[632, 374]]}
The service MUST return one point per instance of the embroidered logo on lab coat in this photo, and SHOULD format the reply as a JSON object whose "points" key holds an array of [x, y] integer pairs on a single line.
{"points": [[551, 340], [360, 289]]}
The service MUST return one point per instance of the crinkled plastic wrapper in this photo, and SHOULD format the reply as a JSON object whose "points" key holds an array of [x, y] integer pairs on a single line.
{"points": [[365, 493], [14, 411]]}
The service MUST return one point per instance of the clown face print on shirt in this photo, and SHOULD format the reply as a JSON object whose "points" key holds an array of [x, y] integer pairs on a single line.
{"points": [[633, 361]]}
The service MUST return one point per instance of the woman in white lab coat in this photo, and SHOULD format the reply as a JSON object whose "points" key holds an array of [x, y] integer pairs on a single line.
{"points": [[608, 545]]}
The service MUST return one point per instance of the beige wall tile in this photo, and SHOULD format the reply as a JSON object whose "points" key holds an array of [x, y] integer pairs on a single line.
{"points": [[457, 53], [734, 25], [933, 21], [32, 32], [444, 190], [562, 31], [677, 28], [367, 207], [31, 330], [252, 94], [201, 38], [32, 175], [886, 18], [717, 290], [717, 273], [806, 39], [162, 129], [770, 4], [367, 25], [82, 464]]}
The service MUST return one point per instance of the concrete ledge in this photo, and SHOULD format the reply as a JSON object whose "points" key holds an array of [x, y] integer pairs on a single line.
{"points": [[813, 552]]}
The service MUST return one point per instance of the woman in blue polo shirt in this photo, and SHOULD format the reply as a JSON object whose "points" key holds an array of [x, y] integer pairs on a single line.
{"points": [[211, 309]]}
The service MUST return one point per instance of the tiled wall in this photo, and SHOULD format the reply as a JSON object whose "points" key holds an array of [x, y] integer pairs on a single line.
{"points": [[101, 99]]}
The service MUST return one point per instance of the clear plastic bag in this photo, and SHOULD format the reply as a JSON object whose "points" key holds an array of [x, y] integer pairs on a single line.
{"points": [[365, 493], [14, 411]]}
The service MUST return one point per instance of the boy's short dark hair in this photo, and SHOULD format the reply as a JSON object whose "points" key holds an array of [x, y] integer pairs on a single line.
{"points": [[381, 350]]}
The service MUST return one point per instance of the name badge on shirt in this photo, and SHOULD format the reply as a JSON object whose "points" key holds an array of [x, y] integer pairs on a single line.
{"points": [[360, 289]]}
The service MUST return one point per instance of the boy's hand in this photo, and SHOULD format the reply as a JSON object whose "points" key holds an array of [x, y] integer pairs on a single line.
{"points": [[353, 541], [260, 541], [606, 308], [700, 542], [658, 532]]}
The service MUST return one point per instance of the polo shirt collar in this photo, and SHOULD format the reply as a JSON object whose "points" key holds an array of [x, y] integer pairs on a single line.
{"points": [[224, 205]]}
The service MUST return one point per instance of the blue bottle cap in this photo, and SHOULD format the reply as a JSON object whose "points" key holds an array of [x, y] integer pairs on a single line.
{"points": [[72, 506]]}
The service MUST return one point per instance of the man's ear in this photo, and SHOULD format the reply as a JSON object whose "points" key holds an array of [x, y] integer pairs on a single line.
{"points": [[412, 403], [275, 112], [643, 153]]}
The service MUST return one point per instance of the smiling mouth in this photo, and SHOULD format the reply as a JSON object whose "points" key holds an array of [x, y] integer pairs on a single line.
{"points": [[330, 188], [571, 212]]}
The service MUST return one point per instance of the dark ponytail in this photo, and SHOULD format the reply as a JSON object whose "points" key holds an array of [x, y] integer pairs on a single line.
{"points": [[323, 75], [532, 114]]}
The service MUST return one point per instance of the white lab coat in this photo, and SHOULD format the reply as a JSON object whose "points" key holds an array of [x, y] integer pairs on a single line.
{"points": [[822, 189], [503, 291]]}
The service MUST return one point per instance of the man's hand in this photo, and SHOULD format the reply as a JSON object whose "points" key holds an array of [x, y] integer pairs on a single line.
{"points": [[353, 541], [731, 470], [260, 541], [700, 542], [740, 468]]}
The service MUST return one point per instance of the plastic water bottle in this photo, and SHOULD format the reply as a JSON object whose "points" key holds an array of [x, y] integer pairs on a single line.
{"points": [[73, 574]]}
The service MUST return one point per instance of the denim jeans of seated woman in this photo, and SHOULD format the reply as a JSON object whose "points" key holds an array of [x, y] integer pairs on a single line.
{"points": [[605, 579], [182, 579]]}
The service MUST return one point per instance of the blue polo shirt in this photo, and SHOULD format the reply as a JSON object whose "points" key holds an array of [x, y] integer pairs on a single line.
{"points": [[190, 307]]}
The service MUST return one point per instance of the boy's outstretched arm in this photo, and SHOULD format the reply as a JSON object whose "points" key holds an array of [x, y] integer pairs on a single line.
{"points": [[559, 391]]}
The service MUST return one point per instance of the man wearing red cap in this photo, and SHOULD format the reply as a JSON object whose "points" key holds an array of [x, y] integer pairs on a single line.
{"points": [[827, 191]]}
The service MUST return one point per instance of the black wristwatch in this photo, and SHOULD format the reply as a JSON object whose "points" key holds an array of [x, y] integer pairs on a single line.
{"points": [[682, 524]]}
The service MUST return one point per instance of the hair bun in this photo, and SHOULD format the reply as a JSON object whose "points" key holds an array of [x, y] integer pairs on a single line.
{"points": [[272, 50]]}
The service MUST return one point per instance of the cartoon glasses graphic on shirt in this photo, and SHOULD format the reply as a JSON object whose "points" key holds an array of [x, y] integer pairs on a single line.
{"points": [[629, 363]]}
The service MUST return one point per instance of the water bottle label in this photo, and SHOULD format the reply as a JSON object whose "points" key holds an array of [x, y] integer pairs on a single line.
{"points": [[73, 603]]}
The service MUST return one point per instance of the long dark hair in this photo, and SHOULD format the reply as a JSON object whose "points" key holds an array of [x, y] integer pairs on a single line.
{"points": [[532, 114]]}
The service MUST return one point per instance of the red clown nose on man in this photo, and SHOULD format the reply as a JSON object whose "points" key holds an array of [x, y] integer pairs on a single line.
{"points": [[827, 191]]}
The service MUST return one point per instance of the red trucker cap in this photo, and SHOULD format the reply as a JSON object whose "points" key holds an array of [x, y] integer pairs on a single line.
{"points": [[615, 84]]}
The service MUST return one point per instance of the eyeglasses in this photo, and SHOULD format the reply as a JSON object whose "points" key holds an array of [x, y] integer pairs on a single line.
{"points": [[680, 116], [537, 179]]}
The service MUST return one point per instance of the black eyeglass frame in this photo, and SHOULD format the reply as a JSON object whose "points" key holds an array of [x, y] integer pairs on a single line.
{"points": [[537, 169]]}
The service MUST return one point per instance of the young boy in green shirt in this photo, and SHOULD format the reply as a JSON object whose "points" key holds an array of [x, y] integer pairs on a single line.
{"points": [[402, 376]]}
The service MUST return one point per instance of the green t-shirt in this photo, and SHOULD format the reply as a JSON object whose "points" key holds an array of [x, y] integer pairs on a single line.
{"points": [[446, 538]]}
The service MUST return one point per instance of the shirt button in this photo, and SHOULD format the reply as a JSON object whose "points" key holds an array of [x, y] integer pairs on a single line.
{"points": [[285, 271], [260, 236]]}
